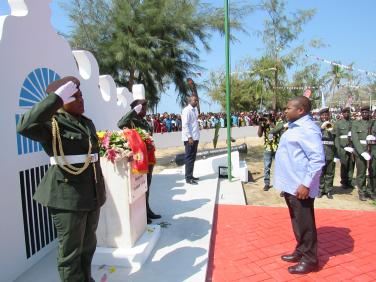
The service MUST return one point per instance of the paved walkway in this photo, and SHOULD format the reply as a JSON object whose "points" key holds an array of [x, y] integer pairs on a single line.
{"points": [[247, 242]]}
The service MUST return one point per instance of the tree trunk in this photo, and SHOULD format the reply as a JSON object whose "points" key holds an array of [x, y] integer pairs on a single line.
{"points": [[274, 99]]}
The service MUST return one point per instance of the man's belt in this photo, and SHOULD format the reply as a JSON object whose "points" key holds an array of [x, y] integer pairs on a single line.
{"points": [[328, 142], [73, 159], [363, 142], [343, 136]]}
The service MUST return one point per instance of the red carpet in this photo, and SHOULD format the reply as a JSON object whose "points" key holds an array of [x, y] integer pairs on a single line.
{"points": [[247, 243]]}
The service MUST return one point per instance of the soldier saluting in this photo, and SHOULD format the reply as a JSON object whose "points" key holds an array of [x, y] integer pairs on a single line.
{"points": [[73, 187], [343, 143], [327, 175], [363, 137]]}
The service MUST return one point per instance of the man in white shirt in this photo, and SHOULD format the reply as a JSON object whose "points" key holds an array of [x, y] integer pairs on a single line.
{"points": [[190, 137]]}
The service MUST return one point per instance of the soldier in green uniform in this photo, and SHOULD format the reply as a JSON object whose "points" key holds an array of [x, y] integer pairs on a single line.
{"points": [[343, 144], [327, 174], [363, 135], [136, 118], [280, 127], [73, 187]]}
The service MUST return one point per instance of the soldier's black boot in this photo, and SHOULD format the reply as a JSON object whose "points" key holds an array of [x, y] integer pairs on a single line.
{"points": [[329, 195], [266, 187], [149, 212], [319, 195], [362, 197]]}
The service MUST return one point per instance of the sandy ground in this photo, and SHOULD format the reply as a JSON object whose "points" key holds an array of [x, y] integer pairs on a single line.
{"points": [[346, 199]]}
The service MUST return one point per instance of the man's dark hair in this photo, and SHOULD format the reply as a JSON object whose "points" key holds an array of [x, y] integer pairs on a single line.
{"points": [[303, 102]]}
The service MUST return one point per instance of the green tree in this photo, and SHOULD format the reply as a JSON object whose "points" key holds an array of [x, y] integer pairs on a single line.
{"points": [[151, 42], [334, 77], [280, 32], [309, 76]]}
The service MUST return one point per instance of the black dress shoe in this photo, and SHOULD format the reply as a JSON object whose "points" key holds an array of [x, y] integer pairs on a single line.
{"points": [[291, 258], [196, 178], [303, 268], [329, 195], [152, 215], [191, 181]]}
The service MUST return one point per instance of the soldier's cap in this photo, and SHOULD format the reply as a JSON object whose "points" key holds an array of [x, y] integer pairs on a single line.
{"points": [[324, 110], [138, 102], [346, 109], [53, 86], [364, 108], [138, 91]]}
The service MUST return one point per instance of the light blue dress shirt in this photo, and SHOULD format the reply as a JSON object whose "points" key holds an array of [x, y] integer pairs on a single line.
{"points": [[300, 157]]}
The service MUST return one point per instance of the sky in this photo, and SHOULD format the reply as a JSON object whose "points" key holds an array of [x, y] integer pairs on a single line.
{"points": [[346, 27]]}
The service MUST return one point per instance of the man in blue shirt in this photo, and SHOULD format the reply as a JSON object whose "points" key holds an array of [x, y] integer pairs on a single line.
{"points": [[298, 163]]}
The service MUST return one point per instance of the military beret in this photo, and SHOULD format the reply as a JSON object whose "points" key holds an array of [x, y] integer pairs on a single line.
{"points": [[364, 108], [324, 110], [346, 109], [53, 86]]}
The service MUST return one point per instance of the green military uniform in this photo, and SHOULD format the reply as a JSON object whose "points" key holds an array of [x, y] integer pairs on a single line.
{"points": [[132, 120], [360, 130], [327, 174], [343, 139], [73, 200], [278, 130]]}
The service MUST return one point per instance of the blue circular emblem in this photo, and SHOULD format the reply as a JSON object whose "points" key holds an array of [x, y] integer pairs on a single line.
{"points": [[34, 86]]}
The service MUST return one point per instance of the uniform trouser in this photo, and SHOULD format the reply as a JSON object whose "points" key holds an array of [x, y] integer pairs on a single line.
{"points": [[327, 176], [302, 217], [365, 186], [149, 177], [77, 242], [268, 159], [347, 169], [190, 158]]}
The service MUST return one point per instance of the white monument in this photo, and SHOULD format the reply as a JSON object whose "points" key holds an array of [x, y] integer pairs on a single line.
{"points": [[32, 55]]}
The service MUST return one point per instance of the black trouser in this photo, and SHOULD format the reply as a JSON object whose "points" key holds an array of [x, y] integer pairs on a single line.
{"points": [[303, 224], [189, 158], [77, 242], [149, 177]]}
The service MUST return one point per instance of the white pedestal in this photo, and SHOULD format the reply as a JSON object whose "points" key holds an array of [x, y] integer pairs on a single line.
{"points": [[123, 238]]}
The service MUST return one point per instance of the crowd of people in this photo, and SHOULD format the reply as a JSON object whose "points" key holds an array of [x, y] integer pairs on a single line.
{"points": [[171, 122], [162, 123]]}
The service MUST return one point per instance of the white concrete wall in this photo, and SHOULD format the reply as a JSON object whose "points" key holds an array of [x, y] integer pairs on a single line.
{"points": [[32, 55], [173, 139]]}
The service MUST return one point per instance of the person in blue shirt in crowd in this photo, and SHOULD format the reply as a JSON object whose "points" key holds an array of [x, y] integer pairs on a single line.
{"points": [[235, 120], [168, 123], [298, 164]]}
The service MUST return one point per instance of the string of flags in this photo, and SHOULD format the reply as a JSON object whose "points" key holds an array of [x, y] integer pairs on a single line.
{"points": [[296, 87], [350, 68]]}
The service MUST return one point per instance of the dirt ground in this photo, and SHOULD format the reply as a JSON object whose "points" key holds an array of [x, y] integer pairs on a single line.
{"points": [[346, 199]]}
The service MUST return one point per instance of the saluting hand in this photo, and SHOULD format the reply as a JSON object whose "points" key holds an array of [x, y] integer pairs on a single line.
{"points": [[66, 91], [302, 193], [138, 108]]}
